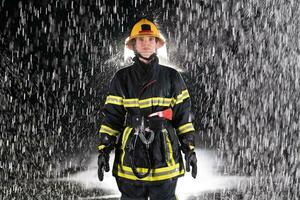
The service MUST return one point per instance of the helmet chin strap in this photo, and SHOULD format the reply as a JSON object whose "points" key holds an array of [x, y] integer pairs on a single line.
{"points": [[145, 58]]}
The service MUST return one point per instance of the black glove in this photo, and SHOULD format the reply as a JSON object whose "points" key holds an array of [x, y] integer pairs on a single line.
{"points": [[103, 164], [107, 143], [191, 160], [187, 141]]}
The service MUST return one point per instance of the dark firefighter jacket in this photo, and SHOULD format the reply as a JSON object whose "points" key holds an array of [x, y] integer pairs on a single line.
{"points": [[141, 90]]}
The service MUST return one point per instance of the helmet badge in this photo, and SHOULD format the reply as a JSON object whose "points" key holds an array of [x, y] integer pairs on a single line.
{"points": [[145, 28]]}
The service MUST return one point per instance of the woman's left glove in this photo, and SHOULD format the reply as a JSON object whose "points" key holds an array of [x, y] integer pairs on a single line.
{"points": [[187, 142]]}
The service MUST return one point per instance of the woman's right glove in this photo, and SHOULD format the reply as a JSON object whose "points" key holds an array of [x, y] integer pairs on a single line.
{"points": [[107, 143], [103, 164]]}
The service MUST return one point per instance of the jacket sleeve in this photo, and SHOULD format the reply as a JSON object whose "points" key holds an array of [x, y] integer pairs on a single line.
{"points": [[181, 106], [114, 114]]}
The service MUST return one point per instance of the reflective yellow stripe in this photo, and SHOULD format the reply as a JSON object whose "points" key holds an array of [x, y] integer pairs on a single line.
{"points": [[155, 174], [108, 130], [100, 147], [185, 128], [125, 136], [155, 101], [145, 103], [180, 98], [131, 103], [116, 100], [171, 160], [184, 95]]}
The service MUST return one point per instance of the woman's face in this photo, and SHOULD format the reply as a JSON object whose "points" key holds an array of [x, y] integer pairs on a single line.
{"points": [[145, 45]]}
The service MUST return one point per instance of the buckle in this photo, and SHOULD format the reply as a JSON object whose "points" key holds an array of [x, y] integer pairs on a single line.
{"points": [[136, 121]]}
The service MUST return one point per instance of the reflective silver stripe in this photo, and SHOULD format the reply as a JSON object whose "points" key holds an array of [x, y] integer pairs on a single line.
{"points": [[131, 102], [155, 101], [161, 101], [145, 103]]}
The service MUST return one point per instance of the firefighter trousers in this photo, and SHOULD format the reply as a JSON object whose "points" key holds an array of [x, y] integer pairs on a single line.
{"points": [[142, 191]]}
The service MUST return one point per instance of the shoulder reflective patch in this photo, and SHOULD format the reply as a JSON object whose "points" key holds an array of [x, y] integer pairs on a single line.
{"points": [[108, 130], [185, 128], [116, 100], [180, 98]]}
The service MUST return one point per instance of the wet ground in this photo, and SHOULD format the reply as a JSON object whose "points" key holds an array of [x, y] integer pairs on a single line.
{"points": [[210, 184]]}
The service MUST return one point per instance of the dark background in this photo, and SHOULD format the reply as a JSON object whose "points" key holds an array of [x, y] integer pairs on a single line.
{"points": [[240, 61]]}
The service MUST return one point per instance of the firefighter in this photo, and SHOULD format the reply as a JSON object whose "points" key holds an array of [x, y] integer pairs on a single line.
{"points": [[147, 122]]}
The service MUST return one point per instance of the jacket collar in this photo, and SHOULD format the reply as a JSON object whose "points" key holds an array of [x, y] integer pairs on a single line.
{"points": [[146, 67], [145, 72]]}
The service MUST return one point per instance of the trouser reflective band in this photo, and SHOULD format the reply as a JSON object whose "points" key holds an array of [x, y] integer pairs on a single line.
{"points": [[154, 175]]}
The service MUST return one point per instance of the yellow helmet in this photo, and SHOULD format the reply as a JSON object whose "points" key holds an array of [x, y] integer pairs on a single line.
{"points": [[144, 27]]}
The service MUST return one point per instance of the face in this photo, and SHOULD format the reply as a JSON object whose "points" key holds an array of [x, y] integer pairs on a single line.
{"points": [[146, 45]]}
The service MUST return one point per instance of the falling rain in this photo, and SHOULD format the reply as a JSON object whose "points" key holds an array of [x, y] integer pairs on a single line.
{"points": [[240, 60]]}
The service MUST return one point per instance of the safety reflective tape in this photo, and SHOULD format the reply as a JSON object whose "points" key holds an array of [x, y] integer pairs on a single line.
{"points": [[155, 101], [180, 98], [171, 160], [100, 147], [185, 128], [108, 130], [125, 137], [145, 103], [131, 102], [116, 100], [184, 95], [155, 174]]}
